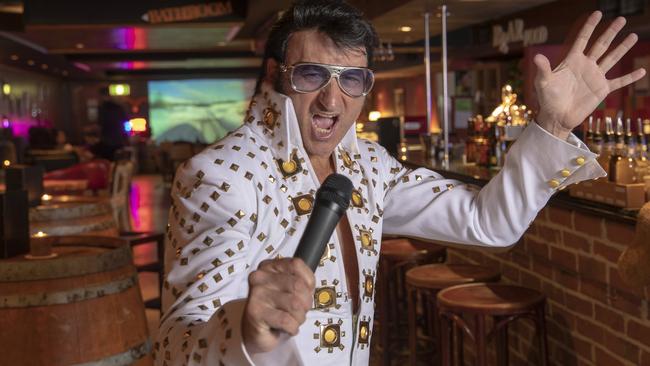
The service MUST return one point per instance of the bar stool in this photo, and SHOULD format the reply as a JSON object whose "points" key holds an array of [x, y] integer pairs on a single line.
{"points": [[396, 257], [425, 282], [504, 303]]}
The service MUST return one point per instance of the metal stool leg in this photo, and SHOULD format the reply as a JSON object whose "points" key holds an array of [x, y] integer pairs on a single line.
{"points": [[411, 294], [446, 343], [502, 343], [541, 326], [479, 337]]}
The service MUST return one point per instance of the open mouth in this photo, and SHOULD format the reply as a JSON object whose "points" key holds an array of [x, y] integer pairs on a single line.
{"points": [[324, 125]]}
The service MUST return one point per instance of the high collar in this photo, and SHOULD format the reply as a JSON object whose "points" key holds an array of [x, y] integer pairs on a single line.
{"points": [[273, 114]]}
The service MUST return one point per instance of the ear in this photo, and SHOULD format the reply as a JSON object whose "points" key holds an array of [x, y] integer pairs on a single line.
{"points": [[272, 71]]}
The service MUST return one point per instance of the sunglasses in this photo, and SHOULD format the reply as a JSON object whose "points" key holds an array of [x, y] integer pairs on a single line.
{"points": [[310, 77]]}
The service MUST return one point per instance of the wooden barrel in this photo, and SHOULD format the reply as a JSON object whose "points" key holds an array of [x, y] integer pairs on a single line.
{"points": [[82, 307], [74, 215]]}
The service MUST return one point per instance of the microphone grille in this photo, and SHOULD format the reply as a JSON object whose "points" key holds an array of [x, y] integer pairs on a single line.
{"points": [[337, 188]]}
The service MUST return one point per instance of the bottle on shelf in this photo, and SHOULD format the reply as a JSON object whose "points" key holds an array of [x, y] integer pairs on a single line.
{"points": [[597, 145], [607, 148], [642, 163], [589, 136], [629, 140], [622, 167]]}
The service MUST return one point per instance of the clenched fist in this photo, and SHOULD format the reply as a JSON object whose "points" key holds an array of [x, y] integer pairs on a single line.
{"points": [[280, 294]]}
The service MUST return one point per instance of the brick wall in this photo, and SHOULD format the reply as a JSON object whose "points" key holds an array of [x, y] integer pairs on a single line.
{"points": [[593, 318]]}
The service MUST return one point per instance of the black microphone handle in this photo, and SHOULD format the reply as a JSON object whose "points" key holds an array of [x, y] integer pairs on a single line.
{"points": [[321, 225]]}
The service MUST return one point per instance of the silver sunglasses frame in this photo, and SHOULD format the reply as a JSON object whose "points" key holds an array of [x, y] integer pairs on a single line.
{"points": [[335, 72]]}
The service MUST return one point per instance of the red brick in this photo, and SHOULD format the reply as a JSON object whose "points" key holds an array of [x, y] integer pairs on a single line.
{"points": [[609, 318], [530, 280], [577, 242], [566, 279], [595, 290], [509, 272], [553, 292], [537, 248], [589, 329], [620, 233], [582, 348], [629, 305], [587, 224], [639, 331], [579, 305], [592, 269], [543, 268], [617, 282], [564, 259], [608, 252], [549, 235], [645, 358], [562, 356], [560, 216], [622, 347], [532, 229], [521, 259], [604, 358]]}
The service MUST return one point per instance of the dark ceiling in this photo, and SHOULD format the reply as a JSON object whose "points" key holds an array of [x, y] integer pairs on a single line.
{"points": [[101, 40]]}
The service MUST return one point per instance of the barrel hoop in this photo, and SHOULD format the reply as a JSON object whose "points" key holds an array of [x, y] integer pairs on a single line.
{"points": [[68, 296], [124, 358], [75, 211], [63, 267]]}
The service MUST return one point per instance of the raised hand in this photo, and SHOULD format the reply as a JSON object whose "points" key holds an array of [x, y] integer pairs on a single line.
{"points": [[571, 92], [279, 296]]}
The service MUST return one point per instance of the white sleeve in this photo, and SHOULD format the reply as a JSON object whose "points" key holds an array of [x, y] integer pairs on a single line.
{"points": [[210, 225], [421, 203]]}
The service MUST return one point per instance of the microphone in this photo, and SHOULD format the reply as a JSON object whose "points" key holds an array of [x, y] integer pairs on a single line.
{"points": [[332, 199]]}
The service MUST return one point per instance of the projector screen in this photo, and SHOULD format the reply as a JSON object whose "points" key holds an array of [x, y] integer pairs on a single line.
{"points": [[197, 110]]}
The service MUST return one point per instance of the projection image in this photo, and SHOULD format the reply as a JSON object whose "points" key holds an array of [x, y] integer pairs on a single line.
{"points": [[197, 111]]}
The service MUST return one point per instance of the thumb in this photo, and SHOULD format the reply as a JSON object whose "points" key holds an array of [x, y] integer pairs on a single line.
{"points": [[543, 66]]}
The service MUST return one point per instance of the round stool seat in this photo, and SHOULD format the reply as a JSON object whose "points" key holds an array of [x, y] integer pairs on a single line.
{"points": [[403, 249], [489, 298], [439, 276]]}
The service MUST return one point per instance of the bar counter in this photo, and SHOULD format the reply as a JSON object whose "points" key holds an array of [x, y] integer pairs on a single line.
{"points": [[569, 253]]}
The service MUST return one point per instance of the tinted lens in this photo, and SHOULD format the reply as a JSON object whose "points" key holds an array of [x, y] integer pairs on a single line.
{"points": [[356, 82], [308, 78]]}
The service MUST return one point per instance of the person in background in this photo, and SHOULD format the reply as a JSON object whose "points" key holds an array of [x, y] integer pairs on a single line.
{"points": [[233, 294], [112, 137]]}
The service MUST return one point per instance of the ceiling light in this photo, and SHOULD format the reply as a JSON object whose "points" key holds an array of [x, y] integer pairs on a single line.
{"points": [[373, 116], [405, 28], [30, 62], [6, 88], [14, 57], [44, 66], [79, 45]]}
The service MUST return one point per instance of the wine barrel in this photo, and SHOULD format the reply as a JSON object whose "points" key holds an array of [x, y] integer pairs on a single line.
{"points": [[74, 215], [82, 307]]}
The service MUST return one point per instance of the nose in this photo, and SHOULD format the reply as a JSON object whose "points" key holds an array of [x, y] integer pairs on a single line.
{"points": [[331, 95]]}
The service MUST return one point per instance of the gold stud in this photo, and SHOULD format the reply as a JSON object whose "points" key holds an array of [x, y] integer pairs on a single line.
{"points": [[364, 332], [357, 200], [303, 204], [554, 183], [270, 116], [368, 286], [330, 336], [565, 173], [346, 159], [366, 239], [580, 160], [324, 297], [289, 167]]}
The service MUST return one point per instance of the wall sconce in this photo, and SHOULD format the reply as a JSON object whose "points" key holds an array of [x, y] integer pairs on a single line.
{"points": [[6, 88], [373, 116]]}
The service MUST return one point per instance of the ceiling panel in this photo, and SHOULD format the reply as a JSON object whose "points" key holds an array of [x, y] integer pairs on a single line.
{"points": [[462, 13]]}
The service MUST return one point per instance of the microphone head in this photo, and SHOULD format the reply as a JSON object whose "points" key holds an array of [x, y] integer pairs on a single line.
{"points": [[336, 188]]}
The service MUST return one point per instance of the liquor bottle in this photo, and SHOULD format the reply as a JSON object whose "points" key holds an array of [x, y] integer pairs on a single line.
{"points": [[622, 168], [597, 146], [589, 136], [607, 146], [629, 140], [642, 163]]}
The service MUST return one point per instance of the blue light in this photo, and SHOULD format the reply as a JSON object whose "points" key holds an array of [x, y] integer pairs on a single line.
{"points": [[127, 126]]}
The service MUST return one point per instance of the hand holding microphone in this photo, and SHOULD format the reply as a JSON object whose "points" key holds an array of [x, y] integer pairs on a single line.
{"points": [[281, 290]]}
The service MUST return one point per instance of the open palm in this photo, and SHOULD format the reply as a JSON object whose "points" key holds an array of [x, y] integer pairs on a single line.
{"points": [[568, 94]]}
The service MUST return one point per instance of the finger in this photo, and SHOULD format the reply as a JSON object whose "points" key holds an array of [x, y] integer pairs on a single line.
{"points": [[281, 320], [543, 66], [615, 55], [303, 271], [605, 39], [586, 32], [626, 79]]}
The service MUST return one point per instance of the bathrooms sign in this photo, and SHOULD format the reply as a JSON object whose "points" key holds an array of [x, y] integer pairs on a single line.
{"points": [[516, 32]]}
